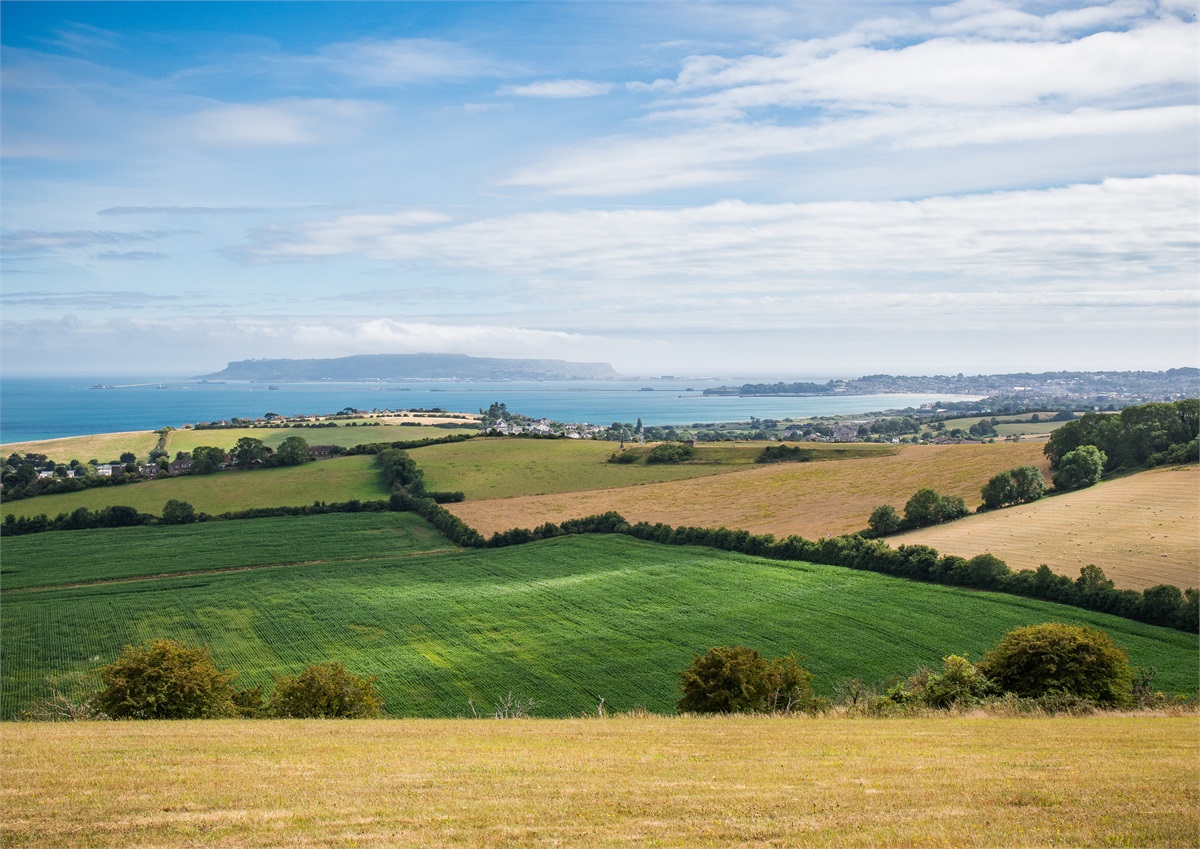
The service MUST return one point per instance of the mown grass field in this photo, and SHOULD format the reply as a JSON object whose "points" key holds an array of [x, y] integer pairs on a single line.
{"points": [[564, 622], [1142, 530], [104, 447], [632, 782], [345, 435], [335, 479], [504, 468], [107, 447], [810, 499]]}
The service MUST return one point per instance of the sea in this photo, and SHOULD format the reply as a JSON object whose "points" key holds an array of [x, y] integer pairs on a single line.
{"points": [[51, 408]]}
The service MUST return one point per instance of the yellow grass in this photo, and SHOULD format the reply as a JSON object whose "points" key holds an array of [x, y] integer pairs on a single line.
{"points": [[1142, 530], [630, 782], [101, 446], [810, 499]]}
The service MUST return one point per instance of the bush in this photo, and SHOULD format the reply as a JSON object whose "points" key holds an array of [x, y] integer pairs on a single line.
{"points": [[740, 680], [1072, 660], [959, 684], [671, 452], [326, 691], [165, 679]]}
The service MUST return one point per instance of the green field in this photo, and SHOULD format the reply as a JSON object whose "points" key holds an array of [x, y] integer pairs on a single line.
{"points": [[107, 447], [54, 559], [563, 622], [503, 468], [336, 479], [345, 435]]}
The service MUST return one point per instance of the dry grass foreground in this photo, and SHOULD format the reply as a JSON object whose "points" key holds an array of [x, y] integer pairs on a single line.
{"points": [[809, 499], [1142, 530], [653, 781]]}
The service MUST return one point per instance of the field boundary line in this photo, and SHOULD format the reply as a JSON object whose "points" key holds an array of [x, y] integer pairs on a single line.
{"points": [[223, 570]]}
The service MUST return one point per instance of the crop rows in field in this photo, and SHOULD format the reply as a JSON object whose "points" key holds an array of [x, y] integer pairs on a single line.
{"points": [[1142, 530], [336, 479], [809, 499], [563, 622], [504, 468], [54, 559]]}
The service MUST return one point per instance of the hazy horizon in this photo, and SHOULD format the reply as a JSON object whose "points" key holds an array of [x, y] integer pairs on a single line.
{"points": [[771, 189]]}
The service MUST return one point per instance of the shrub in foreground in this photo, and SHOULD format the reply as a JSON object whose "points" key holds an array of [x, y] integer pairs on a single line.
{"points": [[739, 680], [1069, 660], [165, 679], [326, 691]]}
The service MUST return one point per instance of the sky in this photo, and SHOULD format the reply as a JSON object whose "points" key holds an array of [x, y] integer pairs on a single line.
{"points": [[702, 188]]}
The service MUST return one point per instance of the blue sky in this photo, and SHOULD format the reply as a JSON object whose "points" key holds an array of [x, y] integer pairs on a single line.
{"points": [[812, 189]]}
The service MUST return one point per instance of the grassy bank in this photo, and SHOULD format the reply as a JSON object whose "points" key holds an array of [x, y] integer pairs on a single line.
{"points": [[1111, 781]]}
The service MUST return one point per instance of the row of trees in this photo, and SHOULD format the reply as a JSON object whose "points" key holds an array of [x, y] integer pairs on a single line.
{"points": [[925, 508], [175, 512], [1058, 665], [1146, 435]]}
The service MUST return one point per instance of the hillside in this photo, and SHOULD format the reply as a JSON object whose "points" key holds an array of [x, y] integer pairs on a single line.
{"points": [[1142, 530], [809, 499], [412, 367], [563, 622], [335, 479]]}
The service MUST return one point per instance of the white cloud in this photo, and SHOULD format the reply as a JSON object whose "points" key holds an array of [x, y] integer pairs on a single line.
{"points": [[559, 89], [404, 61], [280, 123], [973, 73], [1113, 233]]}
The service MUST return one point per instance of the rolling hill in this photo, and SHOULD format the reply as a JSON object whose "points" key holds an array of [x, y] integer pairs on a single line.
{"points": [[1142, 530], [563, 622]]}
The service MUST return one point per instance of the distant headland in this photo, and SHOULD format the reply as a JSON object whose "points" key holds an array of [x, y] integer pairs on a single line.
{"points": [[393, 367]]}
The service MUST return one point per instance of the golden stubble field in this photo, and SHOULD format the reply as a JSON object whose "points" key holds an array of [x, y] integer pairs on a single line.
{"points": [[809, 499], [630, 782], [1142, 530]]}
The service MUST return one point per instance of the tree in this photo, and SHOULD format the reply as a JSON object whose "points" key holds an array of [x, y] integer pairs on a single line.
{"points": [[326, 691], [1080, 468], [725, 680], [884, 520], [165, 679], [1053, 658], [292, 452], [128, 457], [740, 680], [206, 459], [248, 451], [176, 512], [1016, 486], [926, 508]]}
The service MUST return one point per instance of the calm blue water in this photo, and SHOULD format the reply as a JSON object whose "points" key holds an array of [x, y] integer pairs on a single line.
{"points": [[48, 408]]}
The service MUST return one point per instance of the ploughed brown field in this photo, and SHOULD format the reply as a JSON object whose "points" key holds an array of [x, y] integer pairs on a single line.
{"points": [[809, 499], [1142, 530]]}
